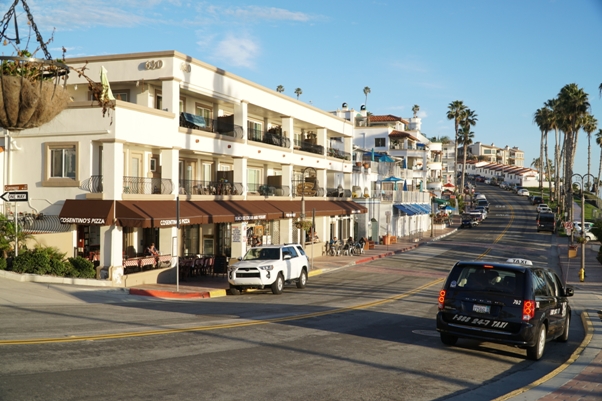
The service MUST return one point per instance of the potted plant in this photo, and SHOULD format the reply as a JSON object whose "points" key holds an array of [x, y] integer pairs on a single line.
{"points": [[366, 164], [304, 225]]}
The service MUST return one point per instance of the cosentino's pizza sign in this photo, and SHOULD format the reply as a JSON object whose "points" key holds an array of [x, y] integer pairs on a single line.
{"points": [[82, 220], [173, 222]]}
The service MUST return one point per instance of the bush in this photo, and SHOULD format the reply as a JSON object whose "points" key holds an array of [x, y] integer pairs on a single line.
{"points": [[82, 268], [2, 264], [42, 261]]}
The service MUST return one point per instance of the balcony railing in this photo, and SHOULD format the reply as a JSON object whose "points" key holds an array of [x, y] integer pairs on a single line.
{"points": [[268, 190], [92, 184], [143, 185], [338, 193], [310, 147], [339, 154], [270, 137], [306, 188], [195, 187], [221, 125]]}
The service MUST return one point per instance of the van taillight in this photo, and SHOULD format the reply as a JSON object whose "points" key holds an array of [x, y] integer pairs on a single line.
{"points": [[441, 299], [528, 310]]}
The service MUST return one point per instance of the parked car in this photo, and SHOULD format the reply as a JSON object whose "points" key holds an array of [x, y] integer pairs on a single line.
{"points": [[523, 192], [536, 200], [542, 206], [482, 210], [546, 222], [269, 266], [589, 236], [512, 303], [468, 221], [488, 182]]}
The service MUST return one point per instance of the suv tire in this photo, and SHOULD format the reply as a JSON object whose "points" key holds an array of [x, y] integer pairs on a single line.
{"points": [[536, 352], [448, 339], [278, 285], [302, 281], [234, 291]]}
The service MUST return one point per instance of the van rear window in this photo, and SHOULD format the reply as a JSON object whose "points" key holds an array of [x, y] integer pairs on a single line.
{"points": [[480, 278]]}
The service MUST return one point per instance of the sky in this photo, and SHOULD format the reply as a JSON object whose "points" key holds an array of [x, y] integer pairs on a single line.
{"points": [[503, 59]]}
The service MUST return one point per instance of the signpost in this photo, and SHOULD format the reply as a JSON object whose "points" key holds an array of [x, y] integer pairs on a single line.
{"points": [[11, 196]]}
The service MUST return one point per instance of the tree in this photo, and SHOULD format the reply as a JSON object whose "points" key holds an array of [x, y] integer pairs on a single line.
{"points": [[542, 118], [298, 92], [599, 143], [590, 124], [456, 110], [554, 123], [469, 119], [415, 110], [280, 89], [366, 92]]}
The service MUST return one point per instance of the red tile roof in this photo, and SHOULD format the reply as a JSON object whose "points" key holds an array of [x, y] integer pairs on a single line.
{"points": [[388, 117], [402, 134]]}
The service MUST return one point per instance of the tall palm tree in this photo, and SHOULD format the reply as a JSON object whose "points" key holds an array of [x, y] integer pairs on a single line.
{"points": [[542, 119], [456, 110], [573, 104], [466, 136], [599, 143], [415, 110], [280, 89], [298, 92], [366, 92], [590, 124]]}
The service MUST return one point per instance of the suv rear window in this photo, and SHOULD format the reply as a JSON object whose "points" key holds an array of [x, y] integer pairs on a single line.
{"points": [[480, 278]]}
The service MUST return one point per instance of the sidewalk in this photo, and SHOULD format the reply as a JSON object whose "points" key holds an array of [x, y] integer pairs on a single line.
{"points": [[211, 287]]}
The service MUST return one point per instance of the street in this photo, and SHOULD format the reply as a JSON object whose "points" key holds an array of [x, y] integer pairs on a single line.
{"points": [[365, 332]]}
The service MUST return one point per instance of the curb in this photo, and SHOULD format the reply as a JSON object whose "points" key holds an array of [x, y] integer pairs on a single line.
{"points": [[176, 295]]}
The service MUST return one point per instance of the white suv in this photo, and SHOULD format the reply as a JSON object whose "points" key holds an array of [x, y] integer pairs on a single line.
{"points": [[269, 266]]}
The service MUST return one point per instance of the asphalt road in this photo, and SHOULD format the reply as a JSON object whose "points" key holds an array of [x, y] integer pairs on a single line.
{"points": [[366, 332]]}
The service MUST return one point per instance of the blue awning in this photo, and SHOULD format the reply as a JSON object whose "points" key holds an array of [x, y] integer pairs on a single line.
{"points": [[405, 210], [425, 207], [417, 209]]}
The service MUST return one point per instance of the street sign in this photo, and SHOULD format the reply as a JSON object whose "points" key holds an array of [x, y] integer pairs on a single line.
{"points": [[15, 196], [15, 187]]}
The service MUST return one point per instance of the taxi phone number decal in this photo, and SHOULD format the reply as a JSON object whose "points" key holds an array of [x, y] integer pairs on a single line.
{"points": [[480, 322]]}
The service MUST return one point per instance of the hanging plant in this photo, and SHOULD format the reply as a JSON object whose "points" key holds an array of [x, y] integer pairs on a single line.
{"points": [[304, 225], [32, 90]]}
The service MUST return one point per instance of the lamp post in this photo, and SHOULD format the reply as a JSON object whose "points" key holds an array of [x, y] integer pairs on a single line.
{"points": [[303, 199], [581, 177]]}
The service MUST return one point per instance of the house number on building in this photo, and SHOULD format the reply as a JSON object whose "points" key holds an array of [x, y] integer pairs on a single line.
{"points": [[153, 64]]}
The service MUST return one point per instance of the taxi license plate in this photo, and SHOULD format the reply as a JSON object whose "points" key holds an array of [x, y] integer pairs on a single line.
{"points": [[480, 308]]}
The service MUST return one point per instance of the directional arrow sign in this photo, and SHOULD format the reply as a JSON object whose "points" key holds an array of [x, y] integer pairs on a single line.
{"points": [[14, 196]]}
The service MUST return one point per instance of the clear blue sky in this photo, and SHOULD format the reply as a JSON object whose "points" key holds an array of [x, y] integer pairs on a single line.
{"points": [[504, 59]]}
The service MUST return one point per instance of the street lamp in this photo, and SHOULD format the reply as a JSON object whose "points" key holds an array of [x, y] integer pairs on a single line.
{"points": [[303, 199], [581, 176]]}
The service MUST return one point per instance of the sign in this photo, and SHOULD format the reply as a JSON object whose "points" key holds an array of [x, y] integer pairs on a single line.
{"points": [[15, 187], [568, 225], [14, 196]]}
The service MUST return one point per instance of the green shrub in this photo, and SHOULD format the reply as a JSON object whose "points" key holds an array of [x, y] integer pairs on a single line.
{"points": [[82, 267], [2, 264], [43, 260]]}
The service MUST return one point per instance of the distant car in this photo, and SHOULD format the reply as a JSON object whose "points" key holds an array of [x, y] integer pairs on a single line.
{"points": [[546, 222], [488, 182], [536, 200], [589, 236], [542, 206], [482, 210], [523, 192], [468, 221], [545, 210]]}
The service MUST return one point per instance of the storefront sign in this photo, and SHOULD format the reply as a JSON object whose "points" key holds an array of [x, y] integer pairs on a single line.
{"points": [[82, 220], [235, 234], [173, 222], [246, 218]]}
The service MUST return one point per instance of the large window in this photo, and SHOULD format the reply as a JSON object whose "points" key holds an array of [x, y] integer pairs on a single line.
{"points": [[61, 166], [253, 179], [201, 110], [380, 142]]}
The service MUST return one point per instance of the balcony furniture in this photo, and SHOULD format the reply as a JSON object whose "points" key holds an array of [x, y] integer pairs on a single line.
{"points": [[192, 121]]}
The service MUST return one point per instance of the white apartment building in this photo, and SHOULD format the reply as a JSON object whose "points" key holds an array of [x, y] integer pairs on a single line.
{"points": [[192, 158]]}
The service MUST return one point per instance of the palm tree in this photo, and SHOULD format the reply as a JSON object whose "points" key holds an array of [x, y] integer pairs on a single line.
{"points": [[466, 136], [590, 124], [542, 119], [298, 92], [554, 122], [455, 112], [280, 89], [366, 92], [599, 143], [415, 110], [573, 104]]}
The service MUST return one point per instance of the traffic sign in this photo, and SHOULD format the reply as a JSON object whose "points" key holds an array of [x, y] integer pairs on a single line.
{"points": [[15, 187], [15, 196]]}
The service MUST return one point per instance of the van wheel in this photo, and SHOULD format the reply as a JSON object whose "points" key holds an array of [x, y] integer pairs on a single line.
{"points": [[278, 285], [302, 281], [448, 339], [536, 352], [565, 333]]}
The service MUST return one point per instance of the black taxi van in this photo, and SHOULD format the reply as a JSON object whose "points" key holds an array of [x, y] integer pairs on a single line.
{"points": [[510, 303]]}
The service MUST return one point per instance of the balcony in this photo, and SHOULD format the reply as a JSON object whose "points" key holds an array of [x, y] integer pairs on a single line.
{"points": [[132, 185], [338, 192], [222, 187], [222, 125], [271, 137], [339, 154], [308, 146], [306, 188]]}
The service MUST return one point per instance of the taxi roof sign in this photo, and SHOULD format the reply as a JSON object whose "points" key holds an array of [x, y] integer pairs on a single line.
{"points": [[519, 261]]}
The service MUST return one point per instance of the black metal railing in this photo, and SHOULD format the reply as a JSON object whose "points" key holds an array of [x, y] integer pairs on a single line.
{"points": [[306, 188], [196, 187], [143, 185], [309, 147], [270, 137], [92, 184], [222, 126], [339, 154], [269, 190]]}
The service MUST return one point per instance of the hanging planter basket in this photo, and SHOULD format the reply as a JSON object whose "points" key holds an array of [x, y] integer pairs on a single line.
{"points": [[303, 225], [30, 92]]}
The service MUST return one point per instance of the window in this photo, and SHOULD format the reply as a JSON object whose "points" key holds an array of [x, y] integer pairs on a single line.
{"points": [[153, 164], [253, 179], [380, 142], [201, 110], [61, 165], [158, 100]]}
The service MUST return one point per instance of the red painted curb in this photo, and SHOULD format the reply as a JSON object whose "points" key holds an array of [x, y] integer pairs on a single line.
{"points": [[169, 294]]}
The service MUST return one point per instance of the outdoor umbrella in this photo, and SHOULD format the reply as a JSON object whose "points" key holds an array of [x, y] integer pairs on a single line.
{"points": [[386, 159]]}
